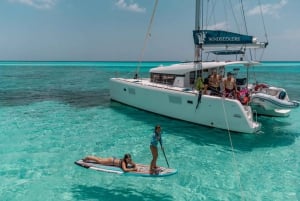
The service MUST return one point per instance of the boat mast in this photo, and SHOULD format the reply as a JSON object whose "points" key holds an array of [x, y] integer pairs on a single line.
{"points": [[197, 28], [198, 47]]}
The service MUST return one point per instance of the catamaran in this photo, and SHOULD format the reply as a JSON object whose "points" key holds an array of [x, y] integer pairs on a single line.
{"points": [[170, 90]]}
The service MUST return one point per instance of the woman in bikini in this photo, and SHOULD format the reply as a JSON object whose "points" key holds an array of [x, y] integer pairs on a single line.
{"points": [[155, 138], [126, 163]]}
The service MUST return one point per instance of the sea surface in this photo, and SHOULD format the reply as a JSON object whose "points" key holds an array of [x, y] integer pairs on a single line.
{"points": [[54, 113]]}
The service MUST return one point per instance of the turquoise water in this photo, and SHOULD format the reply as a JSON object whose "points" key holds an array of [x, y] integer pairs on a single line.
{"points": [[53, 113]]}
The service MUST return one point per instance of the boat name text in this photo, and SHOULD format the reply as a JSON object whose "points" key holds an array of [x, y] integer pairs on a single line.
{"points": [[224, 39]]}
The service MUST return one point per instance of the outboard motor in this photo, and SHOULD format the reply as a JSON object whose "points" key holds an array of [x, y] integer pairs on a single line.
{"points": [[282, 95]]}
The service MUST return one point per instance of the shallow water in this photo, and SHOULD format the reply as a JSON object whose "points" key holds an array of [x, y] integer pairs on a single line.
{"points": [[53, 113]]}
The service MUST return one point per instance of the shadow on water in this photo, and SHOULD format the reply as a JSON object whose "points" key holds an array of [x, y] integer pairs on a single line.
{"points": [[82, 192], [269, 136], [78, 99]]}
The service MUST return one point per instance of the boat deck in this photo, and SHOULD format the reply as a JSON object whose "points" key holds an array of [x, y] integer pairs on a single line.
{"points": [[146, 82]]}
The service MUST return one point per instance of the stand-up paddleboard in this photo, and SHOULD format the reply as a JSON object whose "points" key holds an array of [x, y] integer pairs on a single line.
{"points": [[142, 170]]}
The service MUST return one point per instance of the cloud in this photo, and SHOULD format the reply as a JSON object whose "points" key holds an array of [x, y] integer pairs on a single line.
{"points": [[217, 26], [121, 4], [39, 4], [269, 9]]}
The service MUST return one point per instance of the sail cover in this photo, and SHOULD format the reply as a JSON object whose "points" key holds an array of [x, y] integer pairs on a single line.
{"points": [[218, 37]]}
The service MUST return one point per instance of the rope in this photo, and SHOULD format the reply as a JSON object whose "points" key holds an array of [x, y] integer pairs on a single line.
{"points": [[234, 17], [232, 151], [148, 35], [265, 30], [246, 29], [263, 21]]}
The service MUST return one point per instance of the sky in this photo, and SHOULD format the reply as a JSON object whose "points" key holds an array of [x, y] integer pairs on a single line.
{"points": [[115, 30]]}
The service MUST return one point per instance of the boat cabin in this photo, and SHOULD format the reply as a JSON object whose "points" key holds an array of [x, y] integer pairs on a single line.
{"points": [[184, 75]]}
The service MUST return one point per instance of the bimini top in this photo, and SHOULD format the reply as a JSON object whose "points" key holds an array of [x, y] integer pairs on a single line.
{"points": [[183, 68]]}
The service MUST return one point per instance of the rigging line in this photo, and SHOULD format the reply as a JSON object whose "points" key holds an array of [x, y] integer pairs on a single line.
{"points": [[244, 17], [246, 29], [206, 14], [211, 18], [232, 150], [226, 16], [263, 21], [262, 54], [148, 34], [234, 17], [202, 13]]}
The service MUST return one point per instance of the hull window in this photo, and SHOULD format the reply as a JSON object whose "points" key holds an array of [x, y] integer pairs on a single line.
{"points": [[190, 102], [175, 99], [131, 91]]}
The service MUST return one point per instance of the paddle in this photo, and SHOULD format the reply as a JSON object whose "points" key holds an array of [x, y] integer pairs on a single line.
{"points": [[164, 153]]}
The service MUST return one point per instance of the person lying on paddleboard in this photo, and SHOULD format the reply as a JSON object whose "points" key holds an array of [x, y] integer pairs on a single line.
{"points": [[125, 163]]}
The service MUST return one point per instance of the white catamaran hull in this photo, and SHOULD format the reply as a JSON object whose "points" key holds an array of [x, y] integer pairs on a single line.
{"points": [[181, 104]]}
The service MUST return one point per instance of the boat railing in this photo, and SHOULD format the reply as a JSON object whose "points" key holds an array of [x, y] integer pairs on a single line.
{"points": [[146, 82], [254, 112]]}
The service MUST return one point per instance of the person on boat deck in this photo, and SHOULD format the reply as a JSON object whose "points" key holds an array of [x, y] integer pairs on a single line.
{"points": [[125, 163], [205, 84], [199, 87], [214, 81], [245, 100], [199, 84], [156, 137], [229, 86]]}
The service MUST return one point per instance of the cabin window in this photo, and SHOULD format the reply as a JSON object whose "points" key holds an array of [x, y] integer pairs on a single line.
{"points": [[162, 78]]}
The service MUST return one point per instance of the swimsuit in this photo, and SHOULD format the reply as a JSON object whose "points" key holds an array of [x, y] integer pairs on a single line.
{"points": [[154, 140], [214, 89], [120, 162], [229, 92]]}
